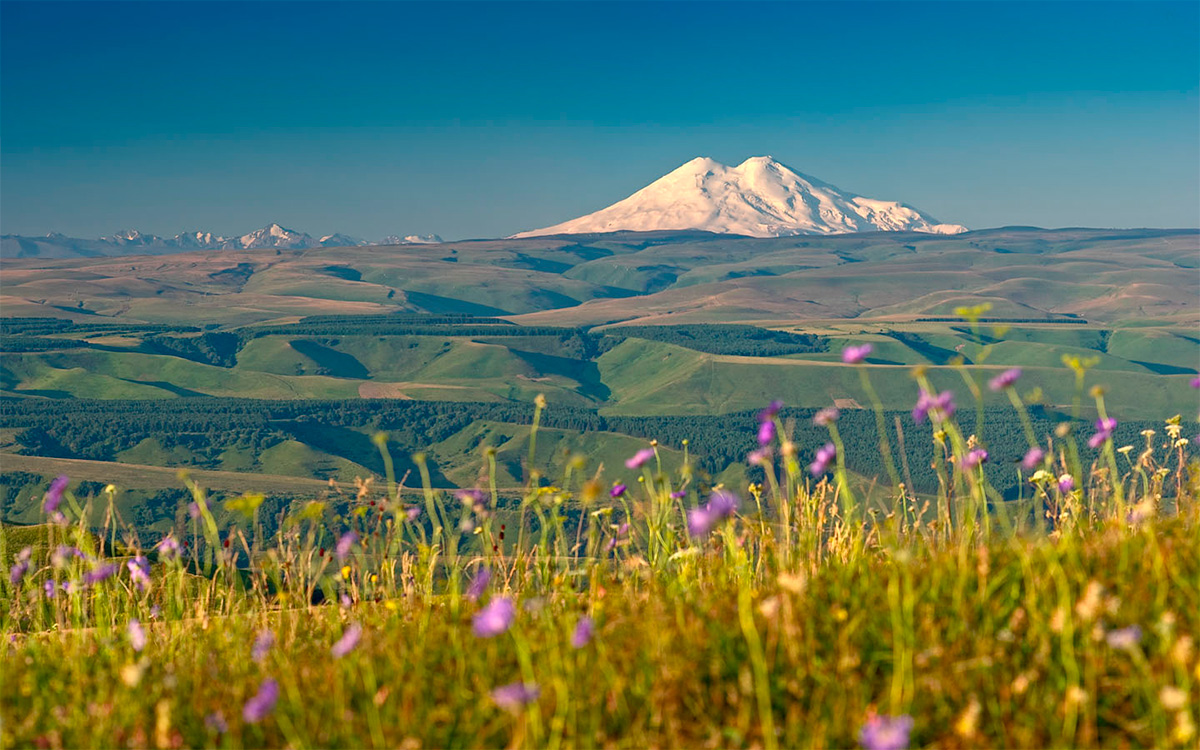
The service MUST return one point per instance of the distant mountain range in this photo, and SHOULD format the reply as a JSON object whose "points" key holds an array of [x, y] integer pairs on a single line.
{"points": [[758, 198], [133, 242]]}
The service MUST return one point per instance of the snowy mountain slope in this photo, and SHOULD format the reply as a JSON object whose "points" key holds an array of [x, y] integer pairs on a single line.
{"points": [[133, 242], [760, 198]]}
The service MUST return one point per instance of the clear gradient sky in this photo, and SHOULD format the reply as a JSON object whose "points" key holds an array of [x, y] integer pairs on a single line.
{"points": [[483, 119]]}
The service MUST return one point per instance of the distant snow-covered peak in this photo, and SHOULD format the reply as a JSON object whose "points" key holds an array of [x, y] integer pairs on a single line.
{"points": [[759, 198]]}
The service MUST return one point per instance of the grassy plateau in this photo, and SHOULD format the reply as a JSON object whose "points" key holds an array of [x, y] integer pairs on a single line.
{"points": [[576, 601]]}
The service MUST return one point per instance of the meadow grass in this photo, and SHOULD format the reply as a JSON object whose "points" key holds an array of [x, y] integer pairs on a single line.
{"points": [[655, 614]]}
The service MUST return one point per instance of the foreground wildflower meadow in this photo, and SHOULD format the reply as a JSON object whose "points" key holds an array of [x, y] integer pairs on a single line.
{"points": [[635, 608]]}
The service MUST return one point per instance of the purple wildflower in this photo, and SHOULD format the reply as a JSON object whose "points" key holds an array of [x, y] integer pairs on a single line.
{"points": [[21, 567], [825, 455], [50, 587], [767, 414], [347, 642], [479, 584], [17, 572], [516, 696], [1066, 483], [61, 557], [215, 722], [496, 618], [262, 645], [621, 535], [721, 505], [584, 630], [1033, 459], [940, 406], [54, 495], [474, 499], [640, 458], [1104, 431], [1196, 382], [194, 510], [766, 433], [168, 548], [1005, 379], [973, 458], [345, 545], [678, 494], [263, 702], [139, 572], [853, 355], [759, 456], [826, 416], [137, 635], [617, 490], [412, 513], [885, 732], [1124, 638], [100, 573]]}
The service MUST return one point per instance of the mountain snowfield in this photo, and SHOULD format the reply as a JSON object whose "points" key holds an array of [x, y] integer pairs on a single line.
{"points": [[133, 242], [758, 198]]}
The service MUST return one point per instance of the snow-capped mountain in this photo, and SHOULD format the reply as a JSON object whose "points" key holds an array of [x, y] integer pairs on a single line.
{"points": [[133, 242], [759, 198], [412, 239]]}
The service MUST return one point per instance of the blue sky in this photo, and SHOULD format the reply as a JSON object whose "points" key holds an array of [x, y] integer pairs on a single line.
{"points": [[482, 119]]}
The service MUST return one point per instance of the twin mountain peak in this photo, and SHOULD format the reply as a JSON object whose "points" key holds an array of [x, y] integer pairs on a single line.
{"points": [[758, 198]]}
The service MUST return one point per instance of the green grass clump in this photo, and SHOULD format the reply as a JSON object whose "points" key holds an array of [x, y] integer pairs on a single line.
{"points": [[629, 606]]}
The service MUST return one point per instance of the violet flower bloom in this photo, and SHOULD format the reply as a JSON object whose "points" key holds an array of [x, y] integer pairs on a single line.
{"points": [[617, 490], [412, 513], [50, 587], [1104, 431], [759, 456], [479, 584], [61, 557], [678, 494], [54, 495], [767, 414], [1066, 483], [194, 510], [1005, 379], [1196, 382], [973, 458], [621, 535], [263, 702], [345, 545], [168, 548], [640, 458], [1033, 459], [584, 630], [516, 696], [473, 499], [139, 572], [885, 732], [1124, 638], [262, 645], [496, 618], [766, 433], [137, 635], [347, 642], [826, 416], [721, 504], [825, 455], [21, 567], [941, 406], [215, 722], [853, 355], [100, 573]]}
